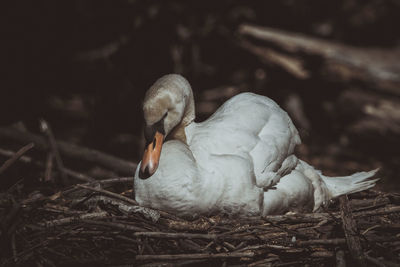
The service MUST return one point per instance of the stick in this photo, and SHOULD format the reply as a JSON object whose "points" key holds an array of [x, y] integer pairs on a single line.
{"points": [[121, 226], [381, 263], [26, 159], [78, 175], [351, 231], [49, 167], [15, 157], [322, 254], [154, 215], [54, 148], [115, 180], [291, 64], [101, 182], [73, 219], [196, 256], [176, 235], [111, 194], [14, 247], [318, 217], [73, 151], [131, 201], [333, 242], [340, 260]]}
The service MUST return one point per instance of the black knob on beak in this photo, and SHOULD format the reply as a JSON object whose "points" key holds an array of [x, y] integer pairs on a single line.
{"points": [[144, 174]]}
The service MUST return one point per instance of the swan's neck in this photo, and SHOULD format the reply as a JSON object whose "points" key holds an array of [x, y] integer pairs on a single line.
{"points": [[178, 132]]}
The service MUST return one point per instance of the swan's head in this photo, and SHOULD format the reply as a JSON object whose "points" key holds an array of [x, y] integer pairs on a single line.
{"points": [[168, 107]]}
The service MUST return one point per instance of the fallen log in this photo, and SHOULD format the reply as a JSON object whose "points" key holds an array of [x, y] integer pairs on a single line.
{"points": [[376, 66]]}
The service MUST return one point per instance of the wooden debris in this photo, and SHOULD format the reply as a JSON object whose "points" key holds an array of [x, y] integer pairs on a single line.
{"points": [[55, 228], [340, 258], [45, 127], [371, 65], [351, 231], [15, 157], [26, 159], [49, 228], [195, 256], [70, 150]]}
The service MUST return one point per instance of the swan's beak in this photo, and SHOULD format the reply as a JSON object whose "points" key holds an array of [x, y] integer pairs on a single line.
{"points": [[151, 157]]}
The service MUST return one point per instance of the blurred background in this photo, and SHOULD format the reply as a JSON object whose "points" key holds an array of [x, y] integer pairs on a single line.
{"points": [[85, 65]]}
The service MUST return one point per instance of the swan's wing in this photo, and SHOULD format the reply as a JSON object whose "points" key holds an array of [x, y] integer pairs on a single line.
{"points": [[253, 127], [273, 153]]}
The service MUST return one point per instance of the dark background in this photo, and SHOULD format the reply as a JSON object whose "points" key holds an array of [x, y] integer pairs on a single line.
{"points": [[84, 66]]}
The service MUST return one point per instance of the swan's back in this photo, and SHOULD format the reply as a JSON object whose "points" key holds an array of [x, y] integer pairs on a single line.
{"points": [[250, 126]]}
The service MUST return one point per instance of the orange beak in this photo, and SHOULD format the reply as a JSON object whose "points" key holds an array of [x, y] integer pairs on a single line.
{"points": [[151, 157]]}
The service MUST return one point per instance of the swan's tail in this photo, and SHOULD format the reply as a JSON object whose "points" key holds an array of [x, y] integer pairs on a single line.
{"points": [[349, 184]]}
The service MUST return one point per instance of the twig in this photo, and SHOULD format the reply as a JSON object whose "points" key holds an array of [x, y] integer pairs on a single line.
{"points": [[176, 235], [68, 220], [264, 262], [108, 193], [97, 182], [121, 226], [78, 175], [14, 247], [289, 231], [322, 254], [190, 244], [154, 215], [15, 157], [196, 256], [334, 242], [380, 263], [351, 231], [49, 167], [340, 260], [381, 211], [291, 263], [103, 52], [149, 213], [45, 127], [72, 151], [26, 159], [318, 217], [115, 180], [370, 228], [289, 63]]}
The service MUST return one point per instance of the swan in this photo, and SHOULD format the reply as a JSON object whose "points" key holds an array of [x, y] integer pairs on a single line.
{"points": [[239, 162]]}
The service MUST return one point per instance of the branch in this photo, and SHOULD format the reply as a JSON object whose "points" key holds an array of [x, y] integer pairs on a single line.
{"points": [[289, 63], [73, 151], [351, 231], [26, 159], [196, 256], [45, 127], [15, 157], [372, 65], [73, 219], [108, 193]]}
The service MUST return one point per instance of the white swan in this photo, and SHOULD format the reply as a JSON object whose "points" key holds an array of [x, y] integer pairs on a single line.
{"points": [[240, 161]]}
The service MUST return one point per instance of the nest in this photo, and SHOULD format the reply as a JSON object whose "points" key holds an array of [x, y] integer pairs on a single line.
{"points": [[97, 224]]}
